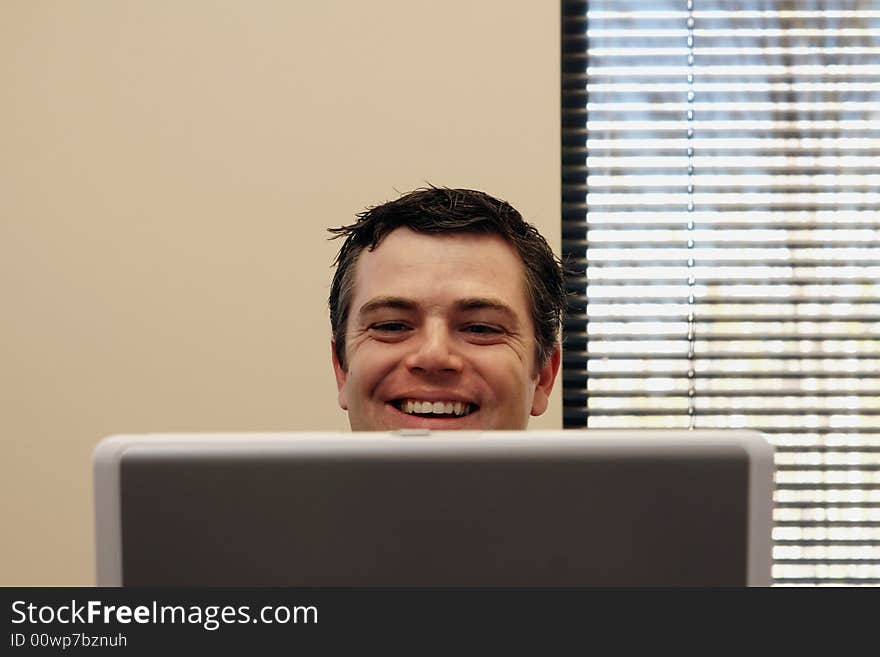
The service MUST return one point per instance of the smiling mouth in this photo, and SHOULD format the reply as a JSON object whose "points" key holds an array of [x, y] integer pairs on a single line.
{"points": [[438, 409]]}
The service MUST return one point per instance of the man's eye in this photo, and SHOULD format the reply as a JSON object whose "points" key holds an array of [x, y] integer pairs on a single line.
{"points": [[483, 329], [389, 327]]}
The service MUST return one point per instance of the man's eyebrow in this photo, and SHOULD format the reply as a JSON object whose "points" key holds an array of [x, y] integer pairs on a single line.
{"points": [[488, 303], [463, 305], [379, 303]]}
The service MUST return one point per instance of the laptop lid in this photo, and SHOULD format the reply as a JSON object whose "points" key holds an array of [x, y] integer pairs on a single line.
{"points": [[420, 508]]}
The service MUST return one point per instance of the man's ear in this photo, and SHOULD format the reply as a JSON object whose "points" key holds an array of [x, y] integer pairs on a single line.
{"points": [[341, 376], [546, 377]]}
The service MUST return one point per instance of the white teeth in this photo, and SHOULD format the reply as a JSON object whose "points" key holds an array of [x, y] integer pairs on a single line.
{"points": [[435, 408]]}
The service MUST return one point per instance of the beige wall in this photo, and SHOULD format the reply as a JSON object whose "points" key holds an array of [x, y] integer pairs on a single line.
{"points": [[168, 169]]}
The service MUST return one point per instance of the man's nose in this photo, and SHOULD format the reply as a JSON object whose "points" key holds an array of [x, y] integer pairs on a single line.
{"points": [[434, 350]]}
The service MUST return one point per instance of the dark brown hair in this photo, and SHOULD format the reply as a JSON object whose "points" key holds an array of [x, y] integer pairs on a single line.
{"points": [[441, 210]]}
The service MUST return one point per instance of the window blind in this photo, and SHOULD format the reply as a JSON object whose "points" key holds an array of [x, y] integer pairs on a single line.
{"points": [[720, 199]]}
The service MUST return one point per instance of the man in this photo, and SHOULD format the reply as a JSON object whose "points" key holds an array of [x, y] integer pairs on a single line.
{"points": [[445, 309]]}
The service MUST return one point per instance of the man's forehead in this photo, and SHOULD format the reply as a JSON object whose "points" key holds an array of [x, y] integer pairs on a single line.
{"points": [[462, 270], [404, 246], [405, 258]]}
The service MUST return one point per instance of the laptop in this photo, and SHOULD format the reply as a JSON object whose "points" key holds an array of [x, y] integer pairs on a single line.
{"points": [[417, 508]]}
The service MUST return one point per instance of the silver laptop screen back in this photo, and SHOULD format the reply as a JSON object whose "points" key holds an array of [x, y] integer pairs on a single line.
{"points": [[589, 508]]}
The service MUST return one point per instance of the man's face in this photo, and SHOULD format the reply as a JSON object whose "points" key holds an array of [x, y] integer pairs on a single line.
{"points": [[440, 336]]}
